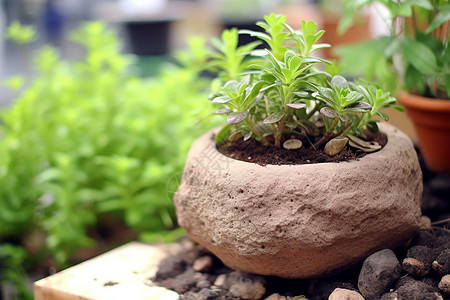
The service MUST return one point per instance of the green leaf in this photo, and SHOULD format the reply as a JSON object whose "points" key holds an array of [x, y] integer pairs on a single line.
{"points": [[422, 3], [21, 34], [420, 56], [221, 99], [329, 113], [442, 17], [274, 117], [414, 79], [383, 115], [296, 105], [339, 82], [237, 117]]}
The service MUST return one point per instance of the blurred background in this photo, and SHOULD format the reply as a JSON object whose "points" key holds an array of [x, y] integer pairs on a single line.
{"points": [[94, 138], [152, 29]]}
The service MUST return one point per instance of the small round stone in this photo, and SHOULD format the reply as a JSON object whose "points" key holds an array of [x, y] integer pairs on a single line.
{"points": [[292, 144], [203, 264], [345, 294], [414, 267], [444, 284], [220, 280]]}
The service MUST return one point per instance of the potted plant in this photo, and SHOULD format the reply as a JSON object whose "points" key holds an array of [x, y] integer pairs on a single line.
{"points": [[415, 52], [276, 217]]}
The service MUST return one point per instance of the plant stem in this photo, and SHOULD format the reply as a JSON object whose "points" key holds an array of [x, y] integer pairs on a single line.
{"points": [[257, 132], [279, 132], [327, 135]]}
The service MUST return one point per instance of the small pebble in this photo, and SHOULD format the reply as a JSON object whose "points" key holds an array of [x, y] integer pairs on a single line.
{"points": [[344, 294], [442, 262], [444, 284], [276, 296], [245, 286], [170, 267], [425, 223], [418, 260], [203, 284], [206, 294], [410, 288], [378, 273], [335, 146], [292, 144], [414, 267], [390, 296], [220, 280], [203, 263]]}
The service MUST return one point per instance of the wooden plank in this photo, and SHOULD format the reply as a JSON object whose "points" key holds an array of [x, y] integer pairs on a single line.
{"points": [[120, 274]]}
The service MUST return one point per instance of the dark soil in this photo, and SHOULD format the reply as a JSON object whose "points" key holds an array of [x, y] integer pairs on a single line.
{"points": [[177, 272], [253, 151]]}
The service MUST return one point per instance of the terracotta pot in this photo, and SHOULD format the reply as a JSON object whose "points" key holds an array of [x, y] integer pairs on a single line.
{"points": [[431, 119], [356, 33], [299, 221]]}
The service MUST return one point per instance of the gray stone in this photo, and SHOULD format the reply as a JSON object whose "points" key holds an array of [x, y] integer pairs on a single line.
{"points": [[409, 288], [444, 284], [378, 273], [390, 296], [344, 294], [205, 294], [300, 221], [203, 284], [245, 286], [442, 262]]}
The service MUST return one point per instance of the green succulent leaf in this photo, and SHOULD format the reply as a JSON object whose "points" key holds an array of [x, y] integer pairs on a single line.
{"points": [[339, 82], [237, 117], [296, 105], [329, 113], [274, 117], [221, 99]]}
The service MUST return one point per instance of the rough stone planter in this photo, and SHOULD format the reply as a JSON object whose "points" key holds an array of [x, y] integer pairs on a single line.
{"points": [[299, 221]]}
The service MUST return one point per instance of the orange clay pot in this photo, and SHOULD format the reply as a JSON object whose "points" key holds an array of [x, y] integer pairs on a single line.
{"points": [[431, 119]]}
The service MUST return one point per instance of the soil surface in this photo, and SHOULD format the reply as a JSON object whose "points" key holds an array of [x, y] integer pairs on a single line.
{"points": [[195, 273], [253, 151]]}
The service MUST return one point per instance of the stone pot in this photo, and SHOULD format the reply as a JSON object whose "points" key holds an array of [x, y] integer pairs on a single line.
{"points": [[299, 221], [431, 123]]}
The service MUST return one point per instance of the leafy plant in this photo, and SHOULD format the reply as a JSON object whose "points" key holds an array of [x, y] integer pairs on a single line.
{"points": [[12, 271], [416, 49], [87, 138], [282, 90]]}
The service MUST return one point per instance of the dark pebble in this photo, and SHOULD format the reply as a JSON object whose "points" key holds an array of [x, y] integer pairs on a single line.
{"points": [[409, 288], [378, 273], [170, 267], [442, 262]]}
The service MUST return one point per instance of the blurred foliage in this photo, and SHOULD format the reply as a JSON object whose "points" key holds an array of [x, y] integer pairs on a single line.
{"points": [[88, 138]]}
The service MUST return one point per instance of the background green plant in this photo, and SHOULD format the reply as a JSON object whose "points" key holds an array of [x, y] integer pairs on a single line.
{"points": [[87, 138], [415, 52]]}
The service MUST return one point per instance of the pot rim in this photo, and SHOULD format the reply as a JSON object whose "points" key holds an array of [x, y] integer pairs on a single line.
{"points": [[423, 103]]}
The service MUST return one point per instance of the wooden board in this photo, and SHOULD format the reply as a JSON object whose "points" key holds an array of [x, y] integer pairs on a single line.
{"points": [[120, 274]]}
